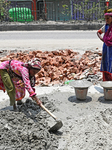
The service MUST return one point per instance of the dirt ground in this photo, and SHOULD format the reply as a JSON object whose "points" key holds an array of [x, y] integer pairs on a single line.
{"points": [[86, 124]]}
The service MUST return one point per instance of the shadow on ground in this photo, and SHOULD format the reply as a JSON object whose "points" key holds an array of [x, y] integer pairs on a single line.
{"points": [[74, 99]]}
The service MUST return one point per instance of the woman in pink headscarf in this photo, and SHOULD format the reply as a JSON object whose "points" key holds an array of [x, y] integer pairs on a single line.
{"points": [[16, 76], [106, 63]]}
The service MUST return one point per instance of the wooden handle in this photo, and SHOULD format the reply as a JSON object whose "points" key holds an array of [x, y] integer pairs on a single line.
{"points": [[41, 105]]}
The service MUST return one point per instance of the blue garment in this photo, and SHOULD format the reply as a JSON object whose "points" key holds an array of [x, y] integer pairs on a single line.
{"points": [[106, 63]]}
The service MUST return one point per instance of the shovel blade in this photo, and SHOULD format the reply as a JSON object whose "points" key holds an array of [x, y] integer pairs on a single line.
{"points": [[56, 127]]}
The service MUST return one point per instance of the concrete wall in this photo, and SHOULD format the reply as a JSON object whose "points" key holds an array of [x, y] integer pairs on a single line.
{"points": [[47, 26]]}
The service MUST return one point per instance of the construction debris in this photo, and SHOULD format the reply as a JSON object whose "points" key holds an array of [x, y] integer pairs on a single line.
{"points": [[62, 65]]}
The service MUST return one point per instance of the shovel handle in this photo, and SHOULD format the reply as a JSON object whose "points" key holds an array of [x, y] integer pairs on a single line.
{"points": [[41, 105]]}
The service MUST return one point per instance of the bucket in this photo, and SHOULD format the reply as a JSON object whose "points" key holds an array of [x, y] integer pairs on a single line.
{"points": [[108, 94], [81, 88], [107, 86], [81, 93]]}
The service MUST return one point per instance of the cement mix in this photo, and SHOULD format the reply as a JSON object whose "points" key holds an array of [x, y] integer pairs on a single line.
{"points": [[86, 124], [27, 128]]}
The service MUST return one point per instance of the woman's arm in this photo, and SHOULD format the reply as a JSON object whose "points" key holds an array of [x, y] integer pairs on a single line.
{"points": [[100, 31], [29, 88]]}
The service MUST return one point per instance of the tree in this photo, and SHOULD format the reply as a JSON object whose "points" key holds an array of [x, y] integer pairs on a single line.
{"points": [[88, 10], [4, 10]]}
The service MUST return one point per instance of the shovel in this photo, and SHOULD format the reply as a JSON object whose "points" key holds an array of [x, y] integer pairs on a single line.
{"points": [[59, 123]]}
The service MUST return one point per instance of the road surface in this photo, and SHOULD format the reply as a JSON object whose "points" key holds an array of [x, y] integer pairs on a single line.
{"points": [[49, 40]]}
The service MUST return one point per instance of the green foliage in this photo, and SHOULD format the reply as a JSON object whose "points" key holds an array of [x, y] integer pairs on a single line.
{"points": [[4, 9], [89, 10], [66, 10]]}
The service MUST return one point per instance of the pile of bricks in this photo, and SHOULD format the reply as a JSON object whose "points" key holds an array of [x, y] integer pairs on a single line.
{"points": [[61, 65]]}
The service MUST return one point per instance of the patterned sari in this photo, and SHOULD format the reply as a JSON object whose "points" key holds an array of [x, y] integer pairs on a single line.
{"points": [[106, 63], [20, 84]]}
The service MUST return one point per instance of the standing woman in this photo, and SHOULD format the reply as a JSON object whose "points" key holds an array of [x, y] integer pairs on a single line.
{"points": [[16, 77], [106, 63]]}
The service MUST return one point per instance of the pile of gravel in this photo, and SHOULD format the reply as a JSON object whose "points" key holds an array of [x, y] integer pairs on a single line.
{"points": [[26, 129]]}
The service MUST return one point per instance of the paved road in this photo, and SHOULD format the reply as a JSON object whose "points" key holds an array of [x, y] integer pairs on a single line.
{"points": [[49, 40], [30, 35]]}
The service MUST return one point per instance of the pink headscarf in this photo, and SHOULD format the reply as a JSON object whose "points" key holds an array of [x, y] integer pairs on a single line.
{"points": [[108, 14]]}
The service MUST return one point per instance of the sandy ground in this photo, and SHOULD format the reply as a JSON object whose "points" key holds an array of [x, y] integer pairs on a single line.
{"points": [[49, 45], [86, 124]]}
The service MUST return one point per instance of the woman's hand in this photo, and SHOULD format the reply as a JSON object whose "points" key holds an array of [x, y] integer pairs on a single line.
{"points": [[100, 37], [36, 100]]}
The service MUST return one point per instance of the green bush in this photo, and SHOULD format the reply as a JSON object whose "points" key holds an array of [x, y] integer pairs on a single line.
{"points": [[4, 7]]}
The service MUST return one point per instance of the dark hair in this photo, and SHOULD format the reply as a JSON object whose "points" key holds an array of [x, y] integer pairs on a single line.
{"points": [[30, 67]]}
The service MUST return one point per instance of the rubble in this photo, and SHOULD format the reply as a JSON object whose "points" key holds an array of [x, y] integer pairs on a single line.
{"points": [[62, 65]]}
